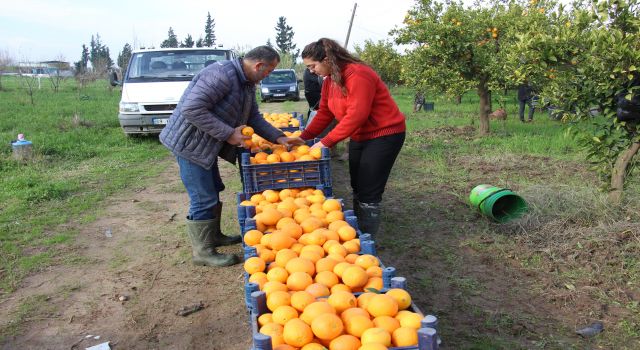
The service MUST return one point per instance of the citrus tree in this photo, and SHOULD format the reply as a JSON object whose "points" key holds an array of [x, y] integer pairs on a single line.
{"points": [[584, 58], [383, 58], [455, 48]]}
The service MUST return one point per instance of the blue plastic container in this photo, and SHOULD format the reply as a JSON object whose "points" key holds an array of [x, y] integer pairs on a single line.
{"points": [[22, 149]]}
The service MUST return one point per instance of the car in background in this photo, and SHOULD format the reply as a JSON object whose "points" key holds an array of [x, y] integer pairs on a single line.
{"points": [[155, 81], [280, 85]]}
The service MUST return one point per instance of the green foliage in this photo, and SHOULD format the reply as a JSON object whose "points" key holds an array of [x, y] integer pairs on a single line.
{"points": [[383, 58], [580, 59], [171, 40], [284, 38], [188, 41], [209, 33], [124, 56], [99, 55]]}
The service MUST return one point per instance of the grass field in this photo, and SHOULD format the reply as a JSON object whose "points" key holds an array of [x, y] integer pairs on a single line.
{"points": [[572, 250]]}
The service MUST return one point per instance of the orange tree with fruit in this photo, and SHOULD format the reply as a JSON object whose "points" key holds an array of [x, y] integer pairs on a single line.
{"points": [[457, 48], [583, 57]]}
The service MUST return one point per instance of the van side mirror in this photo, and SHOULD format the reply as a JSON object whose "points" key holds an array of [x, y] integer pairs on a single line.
{"points": [[113, 79]]}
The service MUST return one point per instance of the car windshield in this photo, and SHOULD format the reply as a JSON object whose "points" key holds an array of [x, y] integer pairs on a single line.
{"points": [[280, 78], [178, 65]]}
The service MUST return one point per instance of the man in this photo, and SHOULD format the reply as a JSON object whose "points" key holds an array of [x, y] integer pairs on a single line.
{"points": [[418, 101], [312, 88], [207, 123], [525, 97]]}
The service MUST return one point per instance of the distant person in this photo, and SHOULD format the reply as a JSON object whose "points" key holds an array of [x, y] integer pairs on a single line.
{"points": [[418, 101], [312, 88], [207, 123], [525, 97], [355, 96]]}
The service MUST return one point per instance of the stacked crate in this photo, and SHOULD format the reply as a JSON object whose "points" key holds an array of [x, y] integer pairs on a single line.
{"points": [[310, 175]]}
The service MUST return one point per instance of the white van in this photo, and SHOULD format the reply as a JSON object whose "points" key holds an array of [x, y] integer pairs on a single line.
{"points": [[154, 82]]}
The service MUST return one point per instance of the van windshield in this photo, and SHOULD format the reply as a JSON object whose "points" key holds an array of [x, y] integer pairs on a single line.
{"points": [[179, 65], [284, 77]]}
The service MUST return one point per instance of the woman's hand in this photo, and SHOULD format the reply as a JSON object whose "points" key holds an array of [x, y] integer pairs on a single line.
{"points": [[318, 144]]}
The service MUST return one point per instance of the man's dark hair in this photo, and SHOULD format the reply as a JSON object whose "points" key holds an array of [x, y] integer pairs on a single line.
{"points": [[263, 53]]}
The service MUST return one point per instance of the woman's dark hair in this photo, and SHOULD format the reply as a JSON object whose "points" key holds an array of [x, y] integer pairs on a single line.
{"points": [[336, 55], [263, 53]]}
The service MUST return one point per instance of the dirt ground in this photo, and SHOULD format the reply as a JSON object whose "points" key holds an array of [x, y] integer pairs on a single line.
{"points": [[132, 284]]}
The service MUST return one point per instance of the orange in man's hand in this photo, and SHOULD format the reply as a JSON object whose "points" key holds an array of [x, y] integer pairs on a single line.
{"points": [[247, 131]]}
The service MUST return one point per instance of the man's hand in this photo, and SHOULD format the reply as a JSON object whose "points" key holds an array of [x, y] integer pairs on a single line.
{"points": [[237, 139], [290, 141], [318, 144]]}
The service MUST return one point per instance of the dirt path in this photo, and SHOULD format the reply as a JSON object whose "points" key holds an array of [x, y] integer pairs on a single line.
{"points": [[146, 262]]}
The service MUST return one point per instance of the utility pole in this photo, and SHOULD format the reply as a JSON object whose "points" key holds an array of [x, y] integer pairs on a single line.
{"points": [[346, 42]]}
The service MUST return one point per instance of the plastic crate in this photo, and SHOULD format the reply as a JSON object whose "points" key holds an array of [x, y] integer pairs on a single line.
{"points": [[260, 177], [300, 118], [427, 334]]}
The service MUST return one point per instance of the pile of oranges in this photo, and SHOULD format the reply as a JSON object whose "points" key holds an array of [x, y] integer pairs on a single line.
{"points": [[280, 154], [281, 120], [309, 268]]}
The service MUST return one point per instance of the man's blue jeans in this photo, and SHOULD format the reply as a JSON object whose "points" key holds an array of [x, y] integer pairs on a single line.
{"points": [[522, 103], [203, 187]]}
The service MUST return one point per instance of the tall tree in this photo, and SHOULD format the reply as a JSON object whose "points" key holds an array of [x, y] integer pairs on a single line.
{"points": [[99, 55], [124, 56], [188, 41], [171, 40], [269, 43], [209, 33], [81, 66], [284, 36], [200, 42]]}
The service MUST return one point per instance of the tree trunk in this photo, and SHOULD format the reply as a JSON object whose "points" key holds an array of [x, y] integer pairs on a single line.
{"points": [[458, 99], [484, 94], [619, 171]]}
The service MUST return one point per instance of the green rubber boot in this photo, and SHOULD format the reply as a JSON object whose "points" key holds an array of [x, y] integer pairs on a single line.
{"points": [[203, 245], [220, 238]]}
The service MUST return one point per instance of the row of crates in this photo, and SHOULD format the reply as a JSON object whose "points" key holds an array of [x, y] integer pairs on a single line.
{"points": [[257, 178]]}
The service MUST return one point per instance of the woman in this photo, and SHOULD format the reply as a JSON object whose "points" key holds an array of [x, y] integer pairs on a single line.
{"points": [[354, 95]]}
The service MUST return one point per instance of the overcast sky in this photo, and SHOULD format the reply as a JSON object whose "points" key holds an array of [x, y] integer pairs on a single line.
{"points": [[36, 30]]}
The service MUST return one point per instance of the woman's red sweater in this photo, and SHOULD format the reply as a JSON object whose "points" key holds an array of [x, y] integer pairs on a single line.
{"points": [[367, 111]]}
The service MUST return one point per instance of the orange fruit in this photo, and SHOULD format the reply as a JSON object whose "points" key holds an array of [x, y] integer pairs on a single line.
{"points": [[340, 268], [374, 271], [275, 331], [338, 249], [374, 283], [318, 290], [316, 153], [277, 273], [278, 298], [280, 240], [301, 299], [405, 336], [283, 256], [412, 320], [301, 265], [331, 205], [267, 255], [327, 278], [313, 346], [372, 346], [334, 226], [325, 264], [334, 216], [292, 229], [260, 278], [287, 157], [354, 311], [345, 342], [327, 326], [341, 301], [270, 216], [366, 261], [282, 314], [351, 258], [247, 131], [401, 296], [357, 324], [274, 286], [310, 255], [316, 309], [271, 195], [364, 299], [252, 237], [342, 287], [346, 233], [254, 264], [310, 224], [376, 335], [264, 319], [257, 198], [382, 305], [388, 323], [299, 281], [355, 276], [297, 333], [284, 347]]}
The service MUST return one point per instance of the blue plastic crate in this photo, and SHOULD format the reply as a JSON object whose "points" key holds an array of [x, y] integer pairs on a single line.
{"points": [[260, 177]]}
